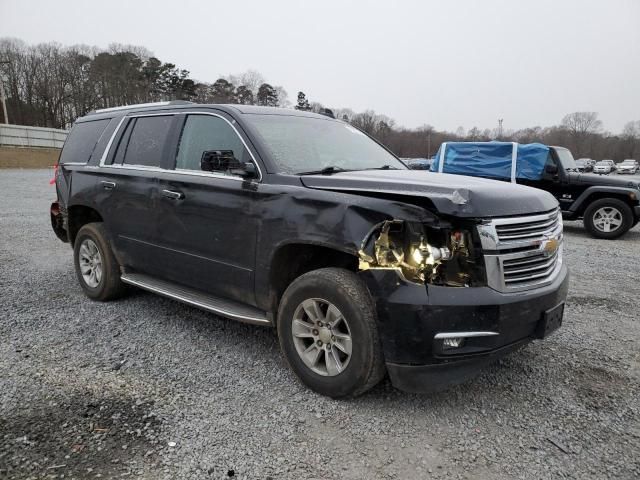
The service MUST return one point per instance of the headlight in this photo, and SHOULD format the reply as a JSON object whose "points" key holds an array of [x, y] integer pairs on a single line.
{"points": [[422, 254]]}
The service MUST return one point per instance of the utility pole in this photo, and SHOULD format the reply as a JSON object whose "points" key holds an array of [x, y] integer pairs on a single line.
{"points": [[429, 144], [3, 100], [500, 120]]}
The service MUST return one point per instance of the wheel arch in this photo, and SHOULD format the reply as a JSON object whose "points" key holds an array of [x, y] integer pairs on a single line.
{"points": [[593, 194], [78, 216], [292, 259]]}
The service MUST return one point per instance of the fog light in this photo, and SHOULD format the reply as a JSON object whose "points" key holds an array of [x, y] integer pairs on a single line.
{"points": [[454, 342]]}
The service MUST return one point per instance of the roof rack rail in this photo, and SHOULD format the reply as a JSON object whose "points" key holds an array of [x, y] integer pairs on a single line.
{"points": [[141, 105]]}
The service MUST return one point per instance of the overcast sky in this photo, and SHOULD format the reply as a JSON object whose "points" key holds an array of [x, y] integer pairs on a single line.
{"points": [[446, 63]]}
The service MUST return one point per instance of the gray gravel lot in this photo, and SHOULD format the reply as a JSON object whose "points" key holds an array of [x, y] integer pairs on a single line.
{"points": [[151, 388]]}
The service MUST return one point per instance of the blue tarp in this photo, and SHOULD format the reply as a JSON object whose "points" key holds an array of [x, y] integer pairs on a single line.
{"points": [[492, 159]]}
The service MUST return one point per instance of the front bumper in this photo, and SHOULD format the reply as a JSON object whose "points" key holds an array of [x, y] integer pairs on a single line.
{"points": [[410, 316]]}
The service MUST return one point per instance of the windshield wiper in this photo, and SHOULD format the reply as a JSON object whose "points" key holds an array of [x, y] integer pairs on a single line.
{"points": [[383, 167], [325, 171]]}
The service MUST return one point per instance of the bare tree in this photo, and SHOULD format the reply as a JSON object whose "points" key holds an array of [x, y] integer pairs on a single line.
{"points": [[581, 127], [283, 97], [631, 139], [251, 79], [582, 123]]}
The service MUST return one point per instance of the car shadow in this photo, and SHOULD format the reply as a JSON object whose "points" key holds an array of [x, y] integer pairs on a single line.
{"points": [[578, 230]]}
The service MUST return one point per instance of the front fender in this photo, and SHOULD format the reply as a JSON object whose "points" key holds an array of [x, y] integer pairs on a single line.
{"points": [[630, 193], [330, 219]]}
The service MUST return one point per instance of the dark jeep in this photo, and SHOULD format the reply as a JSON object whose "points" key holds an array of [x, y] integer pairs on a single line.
{"points": [[608, 205], [302, 222]]}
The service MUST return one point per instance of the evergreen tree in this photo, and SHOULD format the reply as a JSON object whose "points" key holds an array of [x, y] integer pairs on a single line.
{"points": [[223, 91], [243, 95], [303, 103], [267, 96]]}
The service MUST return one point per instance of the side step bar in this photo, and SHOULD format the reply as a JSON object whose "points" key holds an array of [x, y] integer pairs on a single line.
{"points": [[190, 296]]}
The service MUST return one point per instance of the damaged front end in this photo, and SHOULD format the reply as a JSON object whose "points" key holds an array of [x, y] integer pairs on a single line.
{"points": [[445, 256]]}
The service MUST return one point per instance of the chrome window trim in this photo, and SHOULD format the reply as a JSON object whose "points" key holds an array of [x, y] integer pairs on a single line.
{"points": [[113, 136], [174, 170], [192, 173]]}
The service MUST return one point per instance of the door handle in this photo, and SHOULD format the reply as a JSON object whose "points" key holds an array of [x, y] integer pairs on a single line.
{"points": [[173, 195], [108, 185]]}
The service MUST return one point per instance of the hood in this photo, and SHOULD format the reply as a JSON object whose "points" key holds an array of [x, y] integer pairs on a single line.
{"points": [[629, 181], [450, 194]]}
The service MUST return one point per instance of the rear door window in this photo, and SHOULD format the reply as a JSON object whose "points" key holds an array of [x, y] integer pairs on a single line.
{"points": [[146, 142], [82, 140]]}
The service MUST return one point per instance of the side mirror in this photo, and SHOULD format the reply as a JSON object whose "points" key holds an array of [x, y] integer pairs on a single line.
{"points": [[216, 160], [224, 161], [551, 169], [244, 169]]}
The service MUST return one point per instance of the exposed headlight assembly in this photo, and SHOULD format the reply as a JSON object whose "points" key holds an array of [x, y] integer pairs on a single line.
{"points": [[421, 254]]}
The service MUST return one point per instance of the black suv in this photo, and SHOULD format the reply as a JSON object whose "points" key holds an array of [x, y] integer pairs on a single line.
{"points": [[299, 221], [609, 205]]}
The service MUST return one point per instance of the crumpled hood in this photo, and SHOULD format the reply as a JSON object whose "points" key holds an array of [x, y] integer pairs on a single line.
{"points": [[451, 194]]}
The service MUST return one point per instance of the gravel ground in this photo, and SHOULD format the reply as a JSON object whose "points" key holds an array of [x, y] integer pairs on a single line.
{"points": [[150, 388]]}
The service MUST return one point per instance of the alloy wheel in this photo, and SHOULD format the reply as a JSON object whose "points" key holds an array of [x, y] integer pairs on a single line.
{"points": [[607, 219], [90, 262], [322, 337]]}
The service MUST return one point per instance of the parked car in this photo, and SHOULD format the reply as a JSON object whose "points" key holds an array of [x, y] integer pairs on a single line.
{"points": [[608, 205], [585, 164], [418, 163], [290, 219], [604, 167], [628, 166]]}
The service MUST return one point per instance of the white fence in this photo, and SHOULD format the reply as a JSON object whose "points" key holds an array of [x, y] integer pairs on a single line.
{"points": [[21, 136]]}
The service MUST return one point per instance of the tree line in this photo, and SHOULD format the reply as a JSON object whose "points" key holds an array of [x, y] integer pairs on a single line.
{"points": [[50, 85]]}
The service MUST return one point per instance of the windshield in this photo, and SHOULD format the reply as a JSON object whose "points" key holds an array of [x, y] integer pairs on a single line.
{"points": [[603, 163], [304, 144], [566, 159], [629, 162]]}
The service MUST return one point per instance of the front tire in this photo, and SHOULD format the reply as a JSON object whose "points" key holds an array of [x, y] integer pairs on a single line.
{"points": [[328, 333], [608, 218], [96, 266]]}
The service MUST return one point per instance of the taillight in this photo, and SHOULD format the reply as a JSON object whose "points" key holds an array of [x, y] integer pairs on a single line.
{"points": [[55, 175]]}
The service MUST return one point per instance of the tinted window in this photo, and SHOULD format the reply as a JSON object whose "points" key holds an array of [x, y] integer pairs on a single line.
{"points": [[147, 140], [206, 132], [82, 140]]}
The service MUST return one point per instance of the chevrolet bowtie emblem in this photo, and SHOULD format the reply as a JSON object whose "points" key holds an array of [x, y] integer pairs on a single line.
{"points": [[549, 247]]}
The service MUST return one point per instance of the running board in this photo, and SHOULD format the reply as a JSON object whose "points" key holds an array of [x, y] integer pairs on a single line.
{"points": [[193, 297]]}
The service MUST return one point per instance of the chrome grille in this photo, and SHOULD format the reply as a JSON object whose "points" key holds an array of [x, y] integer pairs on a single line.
{"points": [[526, 230], [522, 252]]}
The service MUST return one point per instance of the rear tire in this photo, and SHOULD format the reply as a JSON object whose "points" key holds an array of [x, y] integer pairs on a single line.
{"points": [[96, 266], [334, 349], [608, 214]]}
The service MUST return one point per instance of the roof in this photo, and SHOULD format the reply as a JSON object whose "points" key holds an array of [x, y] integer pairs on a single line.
{"points": [[181, 104]]}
